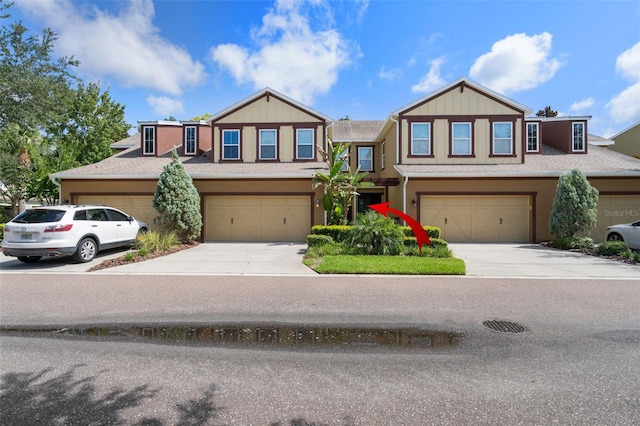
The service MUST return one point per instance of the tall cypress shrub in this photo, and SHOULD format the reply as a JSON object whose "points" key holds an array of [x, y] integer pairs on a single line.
{"points": [[177, 201], [574, 208]]}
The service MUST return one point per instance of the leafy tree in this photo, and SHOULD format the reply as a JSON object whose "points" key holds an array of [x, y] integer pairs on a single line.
{"points": [[33, 91], [547, 112], [340, 187], [91, 123], [177, 201], [202, 117], [574, 208]]}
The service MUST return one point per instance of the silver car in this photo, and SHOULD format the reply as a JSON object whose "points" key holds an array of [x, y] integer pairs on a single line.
{"points": [[627, 232], [68, 230]]}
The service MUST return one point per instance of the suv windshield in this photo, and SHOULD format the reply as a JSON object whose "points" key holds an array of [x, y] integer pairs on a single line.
{"points": [[39, 216]]}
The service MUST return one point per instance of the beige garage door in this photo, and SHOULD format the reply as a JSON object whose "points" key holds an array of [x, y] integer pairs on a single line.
{"points": [[138, 206], [257, 218], [613, 209], [501, 218]]}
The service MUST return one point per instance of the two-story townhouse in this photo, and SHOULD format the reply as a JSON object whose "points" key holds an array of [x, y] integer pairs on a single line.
{"points": [[464, 158]]}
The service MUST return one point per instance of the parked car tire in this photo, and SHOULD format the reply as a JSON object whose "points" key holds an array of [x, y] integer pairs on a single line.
{"points": [[29, 259], [614, 236], [86, 251]]}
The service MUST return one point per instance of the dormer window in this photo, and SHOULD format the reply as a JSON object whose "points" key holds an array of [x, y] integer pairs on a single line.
{"points": [[578, 137], [532, 137], [190, 140], [149, 140]]}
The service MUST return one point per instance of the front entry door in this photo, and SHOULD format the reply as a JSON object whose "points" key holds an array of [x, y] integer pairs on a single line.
{"points": [[367, 199]]}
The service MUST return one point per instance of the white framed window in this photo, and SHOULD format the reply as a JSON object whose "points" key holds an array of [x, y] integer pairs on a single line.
{"points": [[578, 136], [268, 144], [190, 140], [383, 154], [149, 140], [420, 138], [532, 137], [365, 158], [231, 144], [461, 139], [304, 144], [502, 138]]}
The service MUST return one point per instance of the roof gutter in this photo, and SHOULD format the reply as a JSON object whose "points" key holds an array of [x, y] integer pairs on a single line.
{"points": [[635, 173]]}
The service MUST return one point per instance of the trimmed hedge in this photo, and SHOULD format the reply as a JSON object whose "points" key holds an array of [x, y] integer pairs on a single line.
{"points": [[573, 243], [318, 240], [612, 248], [340, 233], [432, 231], [435, 242]]}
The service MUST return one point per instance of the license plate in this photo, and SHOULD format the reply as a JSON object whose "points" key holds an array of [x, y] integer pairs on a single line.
{"points": [[26, 236]]}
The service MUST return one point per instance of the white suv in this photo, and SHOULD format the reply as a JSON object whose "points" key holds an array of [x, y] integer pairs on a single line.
{"points": [[68, 230]]}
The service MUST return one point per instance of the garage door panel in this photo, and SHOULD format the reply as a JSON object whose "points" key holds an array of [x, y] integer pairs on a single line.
{"points": [[259, 218], [478, 218], [138, 206]]}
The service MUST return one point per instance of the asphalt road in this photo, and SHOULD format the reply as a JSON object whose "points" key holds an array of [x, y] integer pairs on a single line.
{"points": [[578, 363]]}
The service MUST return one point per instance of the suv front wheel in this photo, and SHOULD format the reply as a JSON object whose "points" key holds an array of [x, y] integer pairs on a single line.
{"points": [[86, 251]]}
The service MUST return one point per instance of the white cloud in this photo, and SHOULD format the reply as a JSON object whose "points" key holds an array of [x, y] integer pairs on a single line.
{"points": [[625, 106], [289, 55], [628, 63], [582, 105], [515, 63], [163, 105], [391, 74], [125, 46], [432, 79]]}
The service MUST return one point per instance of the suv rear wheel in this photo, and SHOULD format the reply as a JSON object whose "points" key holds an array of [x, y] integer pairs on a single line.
{"points": [[86, 251]]}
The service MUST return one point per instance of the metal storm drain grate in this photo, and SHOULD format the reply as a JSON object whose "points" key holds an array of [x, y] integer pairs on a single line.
{"points": [[504, 326]]}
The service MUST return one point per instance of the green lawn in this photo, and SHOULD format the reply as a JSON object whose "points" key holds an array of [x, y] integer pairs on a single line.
{"points": [[395, 265]]}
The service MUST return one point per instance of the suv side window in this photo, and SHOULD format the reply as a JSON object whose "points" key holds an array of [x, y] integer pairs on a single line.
{"points": [[97, 214], [115, 216], [80, 215]]}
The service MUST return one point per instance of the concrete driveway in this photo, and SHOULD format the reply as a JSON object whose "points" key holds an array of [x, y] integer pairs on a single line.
{"points": [[482, 260], [536, 261]]}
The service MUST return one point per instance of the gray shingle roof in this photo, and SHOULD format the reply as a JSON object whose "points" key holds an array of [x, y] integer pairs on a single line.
{"points": [[598, 161], [356, 130], [130, 164]]}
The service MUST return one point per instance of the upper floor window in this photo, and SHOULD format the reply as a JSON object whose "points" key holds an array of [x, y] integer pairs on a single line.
{"points": [[420, 138], [383, 154], [149, 140], [268, 145], [532, 137], [304, 144], [461, 138], [578, 136], [231, 144], [365, 158], [190, 141], [344, 155], [502, 138]]}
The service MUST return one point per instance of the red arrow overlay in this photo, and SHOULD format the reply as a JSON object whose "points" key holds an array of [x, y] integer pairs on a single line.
{"points": [[421, 235]]}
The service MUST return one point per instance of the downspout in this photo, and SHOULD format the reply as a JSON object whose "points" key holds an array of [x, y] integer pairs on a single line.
{"points": [[404, 196], [59, 185], [406, 178], [397, 138]]}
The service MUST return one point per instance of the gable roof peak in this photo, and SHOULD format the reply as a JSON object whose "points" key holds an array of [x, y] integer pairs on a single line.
{"points": [[267, 91], [463, 82]]}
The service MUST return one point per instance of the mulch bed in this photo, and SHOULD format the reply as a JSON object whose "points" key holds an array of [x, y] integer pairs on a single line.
{"points": [[119, 261], [594, 252]]}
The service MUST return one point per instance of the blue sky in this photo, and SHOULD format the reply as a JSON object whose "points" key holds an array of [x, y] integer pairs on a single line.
{"points": [[357, 58]]}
